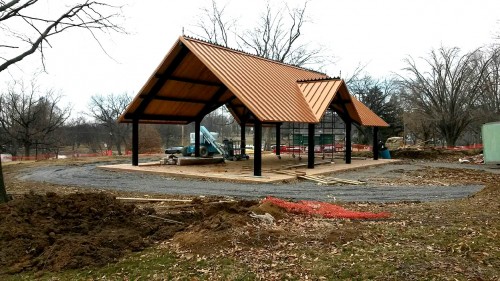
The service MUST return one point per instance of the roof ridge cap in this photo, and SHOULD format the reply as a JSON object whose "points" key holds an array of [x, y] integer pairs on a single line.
{"points": [[318, 79], [191, 38]]}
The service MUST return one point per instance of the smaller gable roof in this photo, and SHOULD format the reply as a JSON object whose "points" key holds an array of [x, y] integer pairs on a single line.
{"points": [[320, 94]]}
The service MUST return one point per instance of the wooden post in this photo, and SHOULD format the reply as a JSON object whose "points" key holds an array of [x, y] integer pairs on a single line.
{"points": [[135, 142], [348, 145], [375, 143], [257, 148], [197, 138], [310, 145], [243, 141], [278, 139]]}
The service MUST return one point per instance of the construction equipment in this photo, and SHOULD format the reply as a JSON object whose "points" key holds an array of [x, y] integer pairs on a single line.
{"points": [[208, 144], [232, 151]]}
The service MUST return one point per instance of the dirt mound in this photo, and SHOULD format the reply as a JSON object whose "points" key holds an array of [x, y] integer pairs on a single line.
{"points": [[53, 232], [432, 154], [215, 229]]}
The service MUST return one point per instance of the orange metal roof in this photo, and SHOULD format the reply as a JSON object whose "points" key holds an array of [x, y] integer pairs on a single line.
{"points": [[321, 94], [196, 77], [268, 88], [366, 116]]}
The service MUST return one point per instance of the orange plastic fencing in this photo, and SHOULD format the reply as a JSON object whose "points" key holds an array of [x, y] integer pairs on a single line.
{"points": [[323, 209], [465, 147]]}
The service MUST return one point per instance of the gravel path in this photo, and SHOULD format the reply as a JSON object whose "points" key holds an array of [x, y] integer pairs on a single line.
{"points": [[89, 175]]}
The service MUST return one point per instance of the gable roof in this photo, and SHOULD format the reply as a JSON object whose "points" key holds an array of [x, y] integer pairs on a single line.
{"points": [[333, 93], [196, 77]]}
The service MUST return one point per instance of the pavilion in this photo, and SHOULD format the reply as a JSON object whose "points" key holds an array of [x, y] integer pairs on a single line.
{"points": [[197, 77]]}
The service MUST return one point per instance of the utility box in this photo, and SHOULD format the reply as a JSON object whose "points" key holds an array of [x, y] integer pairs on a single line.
{"points": [[491, 143]]}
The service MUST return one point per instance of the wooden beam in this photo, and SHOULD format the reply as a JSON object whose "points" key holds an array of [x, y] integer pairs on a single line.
{"points": [[212, 104], [192, 81], [158, 117], [278, 139], [243, 138], [375, 143], [348, 145], [310, 145], [163, 78], [135, 142], [197, 125], [341, 101], [257, 149], [230, 99], [176, 99]]}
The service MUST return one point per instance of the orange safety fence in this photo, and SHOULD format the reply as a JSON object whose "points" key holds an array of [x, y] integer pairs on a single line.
{"points": [[326, 210], [465, 147]]}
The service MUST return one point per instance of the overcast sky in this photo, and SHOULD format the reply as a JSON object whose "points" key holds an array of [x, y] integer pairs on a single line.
{"points": [[377, 33]]}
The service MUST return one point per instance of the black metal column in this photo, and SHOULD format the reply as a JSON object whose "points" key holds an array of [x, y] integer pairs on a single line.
{"points": [[310, 145], [197, 138], [257, 148], [278, 139], [243, 142], [348, 145], [135, 142], [375, 143]]}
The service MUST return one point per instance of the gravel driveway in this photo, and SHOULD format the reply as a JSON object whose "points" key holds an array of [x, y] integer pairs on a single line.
{"points": [[88, 175]]}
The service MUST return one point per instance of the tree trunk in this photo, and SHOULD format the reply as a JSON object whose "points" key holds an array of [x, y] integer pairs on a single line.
{"points": [[27, 148], [267, 139], [3, 192], [119, 147]]}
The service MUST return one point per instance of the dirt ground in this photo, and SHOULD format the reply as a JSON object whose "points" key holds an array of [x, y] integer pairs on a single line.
{"points": [[56, 232], [51, 229]]}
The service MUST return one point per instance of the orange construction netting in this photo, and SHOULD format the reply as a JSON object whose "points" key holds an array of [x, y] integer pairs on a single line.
{"points": [[323, 209]]}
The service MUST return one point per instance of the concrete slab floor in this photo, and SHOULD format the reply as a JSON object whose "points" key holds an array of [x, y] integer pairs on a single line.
{"points": [[242, 171]]}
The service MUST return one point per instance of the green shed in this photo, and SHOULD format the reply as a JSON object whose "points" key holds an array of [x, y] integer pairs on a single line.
{"points": [[491, 143]]}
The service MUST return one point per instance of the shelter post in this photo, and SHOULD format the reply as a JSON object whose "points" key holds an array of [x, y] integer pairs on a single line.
{"points": [[243, 138], [257, 143], [197, 138], [135, 142], [310, 144], [375, 143], [348, 145], [278, 139]]}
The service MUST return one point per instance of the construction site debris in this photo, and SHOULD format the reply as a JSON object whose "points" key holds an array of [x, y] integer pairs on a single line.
{"points": [[183, 161], [267, 218], [331, 181], [476, 159], [170, 160]]}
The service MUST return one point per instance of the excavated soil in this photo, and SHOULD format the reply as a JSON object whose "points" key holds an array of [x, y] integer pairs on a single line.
{"points": [[57, 232]]}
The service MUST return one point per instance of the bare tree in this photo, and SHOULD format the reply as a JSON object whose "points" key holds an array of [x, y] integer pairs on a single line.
{"points": [[36, 31], [149, 140], [490, 87], [106, 110], [88, 15], [446, 89], [31, 116], [214, 26], [277, 34], [381, 96]]}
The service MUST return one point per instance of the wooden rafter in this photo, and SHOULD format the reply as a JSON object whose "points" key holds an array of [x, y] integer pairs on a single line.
{"points": [[176, 99], [162, 79]]}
